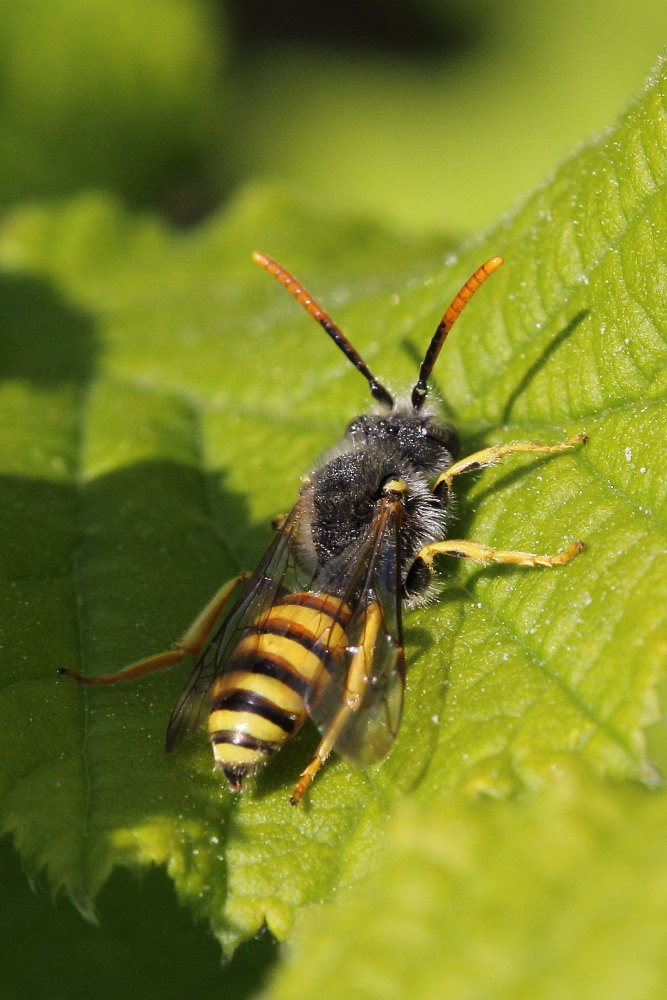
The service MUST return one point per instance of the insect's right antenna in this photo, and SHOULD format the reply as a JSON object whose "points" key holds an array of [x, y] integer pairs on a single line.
{"points": [[310, 305], [474, 282]]}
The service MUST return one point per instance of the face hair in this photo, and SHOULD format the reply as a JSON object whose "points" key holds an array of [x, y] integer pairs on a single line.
{"points": [[378, 391]]}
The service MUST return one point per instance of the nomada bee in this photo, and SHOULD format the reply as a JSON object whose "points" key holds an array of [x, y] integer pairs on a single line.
{"points": [[316, 631]]}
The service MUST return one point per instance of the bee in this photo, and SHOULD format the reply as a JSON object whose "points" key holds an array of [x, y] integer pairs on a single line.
{"points": [[316, 631]]}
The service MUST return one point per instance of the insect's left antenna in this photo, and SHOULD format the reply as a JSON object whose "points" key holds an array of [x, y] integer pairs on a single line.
{"points": [[310, 305], [474, 282]]}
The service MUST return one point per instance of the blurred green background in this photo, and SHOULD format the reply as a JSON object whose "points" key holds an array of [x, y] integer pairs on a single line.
{"points": [[438, 114], [432, 116]]}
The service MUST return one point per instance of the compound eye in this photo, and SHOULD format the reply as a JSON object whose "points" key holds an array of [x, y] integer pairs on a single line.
{"points": [[444, 434], [357, 426]]}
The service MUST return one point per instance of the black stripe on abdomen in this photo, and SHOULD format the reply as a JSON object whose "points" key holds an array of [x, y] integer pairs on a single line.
{"points": [[259, 698], [237, 738], [245, 700], [269, 666]]}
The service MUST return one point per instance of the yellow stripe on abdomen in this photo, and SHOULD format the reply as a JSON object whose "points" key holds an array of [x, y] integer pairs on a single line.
{"points": [[259, 700]]}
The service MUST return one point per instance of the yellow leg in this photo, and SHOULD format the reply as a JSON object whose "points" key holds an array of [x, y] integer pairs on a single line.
{"points": [[494, 454], [191, 643], [485, 554], [356, 683]]}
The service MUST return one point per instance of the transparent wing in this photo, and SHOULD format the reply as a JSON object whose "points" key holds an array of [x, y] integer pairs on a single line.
{"points": [[278, 572], [371, 587]]}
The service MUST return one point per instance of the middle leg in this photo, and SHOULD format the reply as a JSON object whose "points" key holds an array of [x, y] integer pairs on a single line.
{"points": [[421, 570]]}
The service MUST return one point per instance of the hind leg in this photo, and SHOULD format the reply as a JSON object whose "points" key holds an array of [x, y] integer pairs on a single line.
{"points": [[190, 644]]}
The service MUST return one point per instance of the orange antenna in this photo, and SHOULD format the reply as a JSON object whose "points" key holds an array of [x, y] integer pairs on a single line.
{"points": [[310, 305], [474, 282]]}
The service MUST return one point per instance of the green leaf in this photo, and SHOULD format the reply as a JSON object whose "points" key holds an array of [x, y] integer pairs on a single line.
{"points": [[557, 896], [162, 398], [155, 949]]}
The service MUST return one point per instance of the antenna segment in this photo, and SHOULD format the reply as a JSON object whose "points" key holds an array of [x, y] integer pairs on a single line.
{"points": [[459, 303], [311, 306]]}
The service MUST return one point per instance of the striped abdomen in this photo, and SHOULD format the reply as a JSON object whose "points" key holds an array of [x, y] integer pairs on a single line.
{"points": [[259, 700]]}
